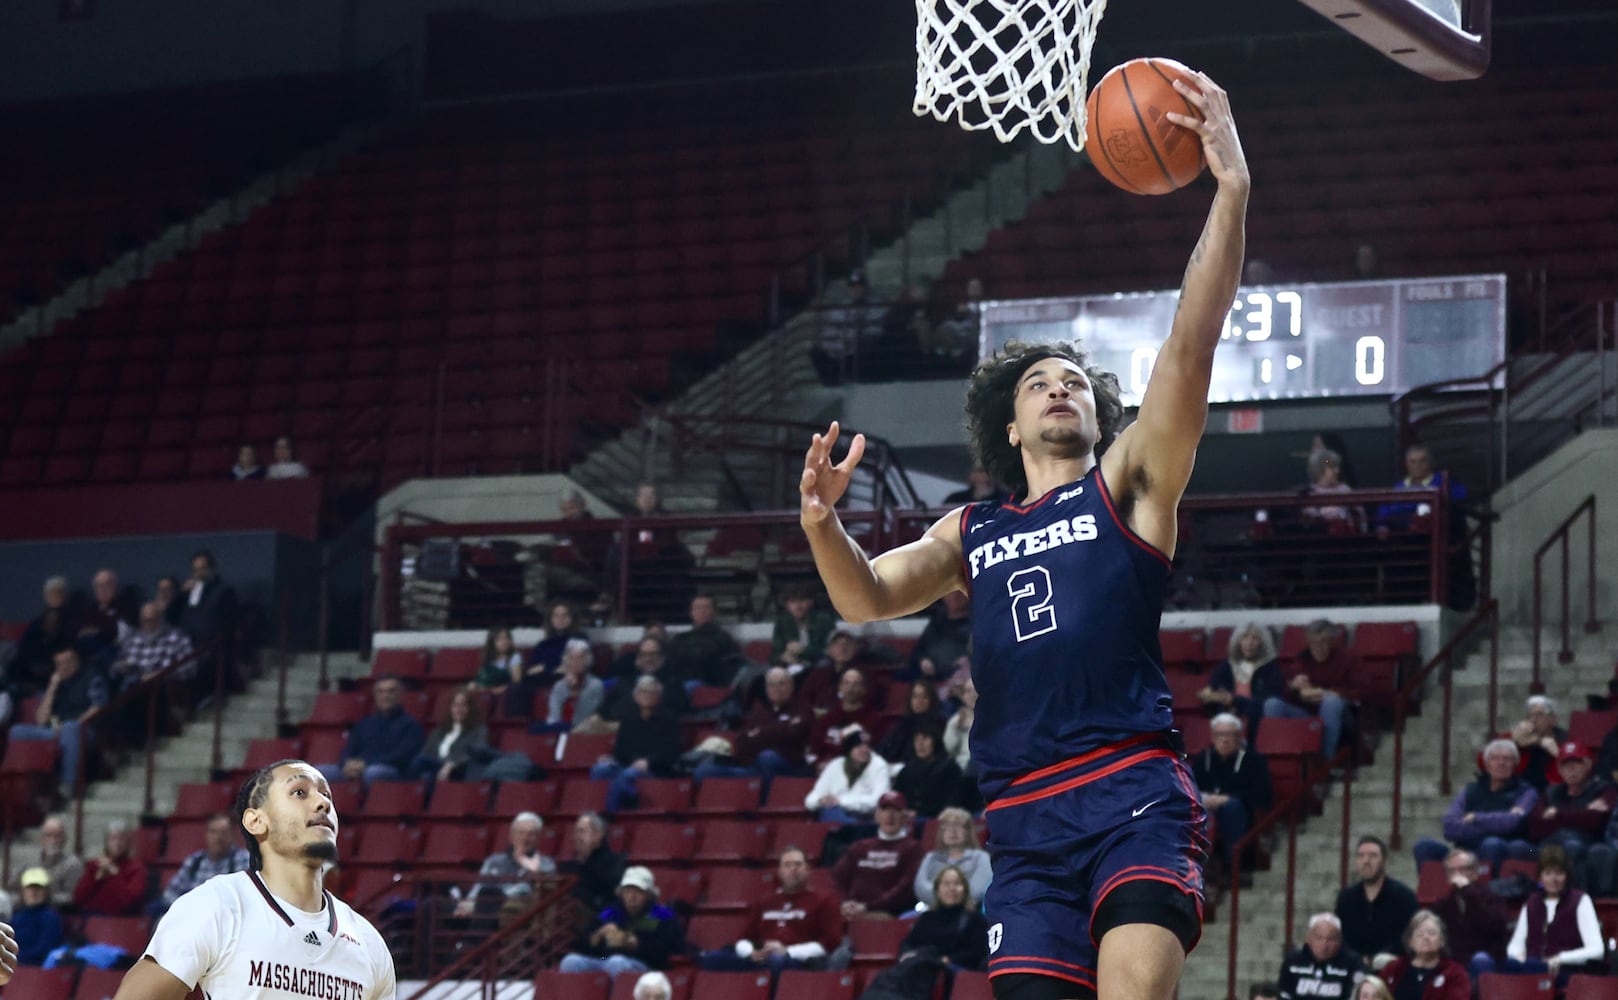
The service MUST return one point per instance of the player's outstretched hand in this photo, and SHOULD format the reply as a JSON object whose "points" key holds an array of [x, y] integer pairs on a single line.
{"points": [[8, 953], [1220, 143], [823, 483]]}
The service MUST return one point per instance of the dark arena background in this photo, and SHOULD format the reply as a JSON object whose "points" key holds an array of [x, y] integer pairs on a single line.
{"points": [[340, 337]]}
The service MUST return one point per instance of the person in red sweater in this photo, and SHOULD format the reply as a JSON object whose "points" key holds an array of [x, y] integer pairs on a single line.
{"points": [[1425, 971], [877, 874], [113, 885], [854, 708], [793, 927], [1320, 682]]}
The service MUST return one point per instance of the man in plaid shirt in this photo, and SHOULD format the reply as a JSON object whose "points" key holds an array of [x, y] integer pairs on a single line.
{"points": [[220, 855], [150, 648]]}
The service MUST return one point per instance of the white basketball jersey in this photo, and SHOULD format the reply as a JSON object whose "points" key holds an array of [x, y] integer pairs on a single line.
{"points": [[235, 939]]}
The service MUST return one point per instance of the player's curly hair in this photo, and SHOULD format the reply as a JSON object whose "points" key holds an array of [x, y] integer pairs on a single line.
{"points": [[990, 406], [255, 791]]}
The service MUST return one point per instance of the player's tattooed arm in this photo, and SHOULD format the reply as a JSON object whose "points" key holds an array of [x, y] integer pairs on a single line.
{"points": [[146, 980]]}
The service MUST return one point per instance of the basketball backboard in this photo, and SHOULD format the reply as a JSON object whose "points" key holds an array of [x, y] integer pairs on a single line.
{"points": [[1441, 39]]}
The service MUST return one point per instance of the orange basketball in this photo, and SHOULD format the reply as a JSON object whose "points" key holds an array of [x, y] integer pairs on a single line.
{"points": [[1129, 140]]}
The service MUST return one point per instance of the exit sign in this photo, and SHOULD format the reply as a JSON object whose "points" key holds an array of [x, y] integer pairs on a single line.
{"points": [[1244, 420]]}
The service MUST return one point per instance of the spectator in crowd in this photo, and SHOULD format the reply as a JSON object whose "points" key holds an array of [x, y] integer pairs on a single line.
{"points": [[516, 869], [793, 927], [945, 644], [219, 855], [247, 466], [1419, 475], [625, 665], [72, 694], [649, 661], [1235, 785], [108, 618], [595, 866], [54, 627], [923, 710], [381, 746], [1374, 911], [633, 935], [36, 924], [845, 330], [1325, 472], [953, 337], [953, 925], [876, 874], [1490, 815], [705, 653], [800, 620], [1318, 683], [113, 884], [458, 743], [154, 646], [561, 628], [958, 849], [930, 780], [577, 693], [852, 708], [502, 661], [958, 731], [1425, 969], [817, 686], [285, 465], [1247, 678], [1557, 931], [1575, 814], [653, 986], [62, 865], [648, 743], [1474, 916], [1323, 967], [978, 487], [849, 788], [772, 738], [208, 609], [659, 563], [164, 594], [1539, 741], [579, 557], [1373, 988], [1267, 991]]}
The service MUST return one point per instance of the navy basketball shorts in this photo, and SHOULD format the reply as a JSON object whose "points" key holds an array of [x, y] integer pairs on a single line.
{"points": [[1117, 834]]}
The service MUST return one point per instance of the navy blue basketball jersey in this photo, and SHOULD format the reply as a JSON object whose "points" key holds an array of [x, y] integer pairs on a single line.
{"points": [[1066, 602]]}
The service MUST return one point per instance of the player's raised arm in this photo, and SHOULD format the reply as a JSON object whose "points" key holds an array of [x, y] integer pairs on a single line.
{"points": [[896, 583], [1163, 441]]}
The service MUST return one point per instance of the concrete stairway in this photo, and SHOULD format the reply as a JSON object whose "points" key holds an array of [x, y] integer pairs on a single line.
{"points": [[1262, 938], [185, 758]]}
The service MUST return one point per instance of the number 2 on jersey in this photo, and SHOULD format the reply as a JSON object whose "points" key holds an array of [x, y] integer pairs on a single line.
{"points": [[1031, 610]]}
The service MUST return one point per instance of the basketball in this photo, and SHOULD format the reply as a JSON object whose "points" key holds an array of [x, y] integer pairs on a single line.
{"points": [[1130, 141]]}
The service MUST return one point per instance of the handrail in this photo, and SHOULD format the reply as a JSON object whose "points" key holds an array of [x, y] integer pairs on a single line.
{"points": [[1287, 811], [1559, 536], [1406, 699], [486, 953], [149, 687]]}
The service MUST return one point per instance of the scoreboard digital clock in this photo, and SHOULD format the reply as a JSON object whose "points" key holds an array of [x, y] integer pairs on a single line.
{"points": [[1360, 338]]}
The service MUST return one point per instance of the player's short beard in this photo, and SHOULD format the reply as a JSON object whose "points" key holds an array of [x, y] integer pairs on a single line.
{"points": [[1064, 437], [321, 850]]}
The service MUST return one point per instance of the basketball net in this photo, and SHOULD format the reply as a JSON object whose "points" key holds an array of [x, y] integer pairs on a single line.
{"points": [[1007, 65]]}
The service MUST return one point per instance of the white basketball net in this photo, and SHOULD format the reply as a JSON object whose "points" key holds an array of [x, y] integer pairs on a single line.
{"points": [[1007, 65]]}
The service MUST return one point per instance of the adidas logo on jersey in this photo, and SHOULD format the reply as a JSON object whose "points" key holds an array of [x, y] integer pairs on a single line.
{"points": [[1027, 543], [311, 938], [1070, 494]]}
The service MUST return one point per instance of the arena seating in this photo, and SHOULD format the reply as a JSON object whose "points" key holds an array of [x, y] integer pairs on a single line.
{"points": [[474, 242]]}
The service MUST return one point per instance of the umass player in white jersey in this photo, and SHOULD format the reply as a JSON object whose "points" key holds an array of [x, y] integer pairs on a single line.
{"points": [[272, 932], [1095, 830]]}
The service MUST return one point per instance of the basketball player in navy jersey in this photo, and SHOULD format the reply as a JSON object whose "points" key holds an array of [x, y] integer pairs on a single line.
{"points": [[1095, 829]]}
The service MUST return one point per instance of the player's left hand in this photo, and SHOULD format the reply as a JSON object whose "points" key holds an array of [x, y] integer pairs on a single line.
{"points": [[1220, 143]]}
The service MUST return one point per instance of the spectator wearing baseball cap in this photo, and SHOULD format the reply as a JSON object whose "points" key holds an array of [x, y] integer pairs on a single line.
{"points": [[877, 874], [1575, 814], [36, 924], [636, 934]]}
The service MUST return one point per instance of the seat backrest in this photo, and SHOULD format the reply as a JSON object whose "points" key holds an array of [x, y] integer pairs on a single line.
{"points": [[553, 985], [971, 986], [803, 984], [1587, 987], [1504, 986], [408, 664], [33, 983], [459, 664], [710, 985], [1280, 737]]}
